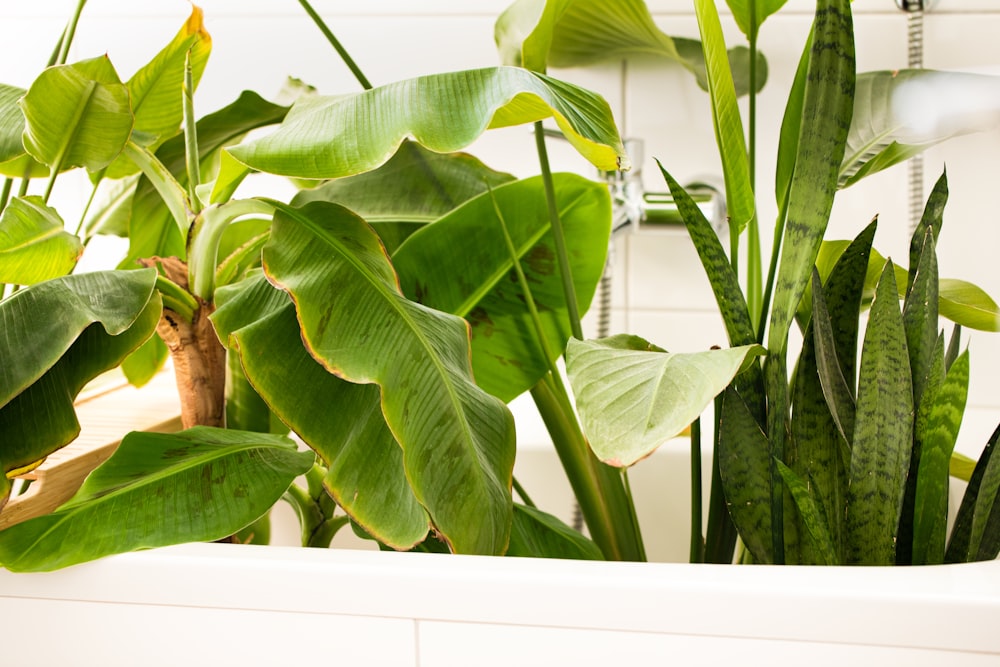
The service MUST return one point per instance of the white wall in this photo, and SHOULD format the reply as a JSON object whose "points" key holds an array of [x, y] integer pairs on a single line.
{"points": [[660, 291]]}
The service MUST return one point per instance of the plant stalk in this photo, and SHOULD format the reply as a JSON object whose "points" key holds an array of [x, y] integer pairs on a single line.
{"points": [[67, 38], [558, 236], [335, 43], [191, 153], [697, 551]]}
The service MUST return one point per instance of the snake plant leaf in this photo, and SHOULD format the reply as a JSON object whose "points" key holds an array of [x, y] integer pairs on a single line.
{"points": [[59, 335], [415, 187], [457, 440], [341, 421], [340, 136], [977, 508], [460, 265], [77, 115], [931, 219], [14, 160], [536, 534], [936, 431], [745, 471], [156, 88], [900, 113], [812, 516], [883, 433], [837, 391], [751, 14], [152, 229], [34, 245], [920, 317], [538, 34], [632, 397], [726, 120], [825, 118], [157, 489]]}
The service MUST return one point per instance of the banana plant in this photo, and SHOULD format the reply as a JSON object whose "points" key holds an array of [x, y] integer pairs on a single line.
{"points": [[349, 315]]}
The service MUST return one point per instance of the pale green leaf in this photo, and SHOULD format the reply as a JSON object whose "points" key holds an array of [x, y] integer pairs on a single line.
{"points": [[633, 397], [443, 112], [34, 245], [77, 116]]}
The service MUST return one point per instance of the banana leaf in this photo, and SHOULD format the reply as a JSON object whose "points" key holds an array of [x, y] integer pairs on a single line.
{"points": [[77, 115], [34, 245], [340, 420], [57, 336], [14, 160], [156, 89], [538, 34], [158, 489], [457, 440], [331, 137], [460, 265], [535, 534]]}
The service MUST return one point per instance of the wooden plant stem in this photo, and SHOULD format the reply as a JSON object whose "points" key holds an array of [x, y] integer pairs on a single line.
{"points": [[198, 355]]}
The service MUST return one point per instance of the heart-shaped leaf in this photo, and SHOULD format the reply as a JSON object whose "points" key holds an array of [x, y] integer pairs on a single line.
{"points": [[633, 397]]}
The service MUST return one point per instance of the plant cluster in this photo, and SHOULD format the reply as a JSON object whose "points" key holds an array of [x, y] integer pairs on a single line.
{"points": [[387, 312]]}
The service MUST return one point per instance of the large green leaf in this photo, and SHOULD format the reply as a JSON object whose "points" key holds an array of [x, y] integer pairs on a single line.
{"points": [[536, 34], [415, 187], [968, 305], [77, 116], [726, 120], [535, 534], [900, 113], [633, 397], [458, 441], [341, 421], [57, 336], [152, 230], [331, 137], [825, 118], [812, 516], [34, 245], [14, 160], [883, 434], [460, 264], [156, 88], [158, 489]]}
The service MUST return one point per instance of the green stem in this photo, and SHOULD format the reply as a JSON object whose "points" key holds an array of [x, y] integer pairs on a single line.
{"points": [[562, 257], [191, 153], [633, 517], [335, 43], [779, 230], [67, 39], [522, 494], [754, 277], [598, 488], [86, 208], [697, 551], [8, 185]]}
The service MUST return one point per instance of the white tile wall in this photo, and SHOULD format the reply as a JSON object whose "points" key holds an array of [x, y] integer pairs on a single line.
{"points": [[659, 290]]}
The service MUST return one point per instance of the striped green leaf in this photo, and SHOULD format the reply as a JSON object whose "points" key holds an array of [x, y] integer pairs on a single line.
{"points": [[935, 434], [883, 433], [812, 516], [976, 512]]}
